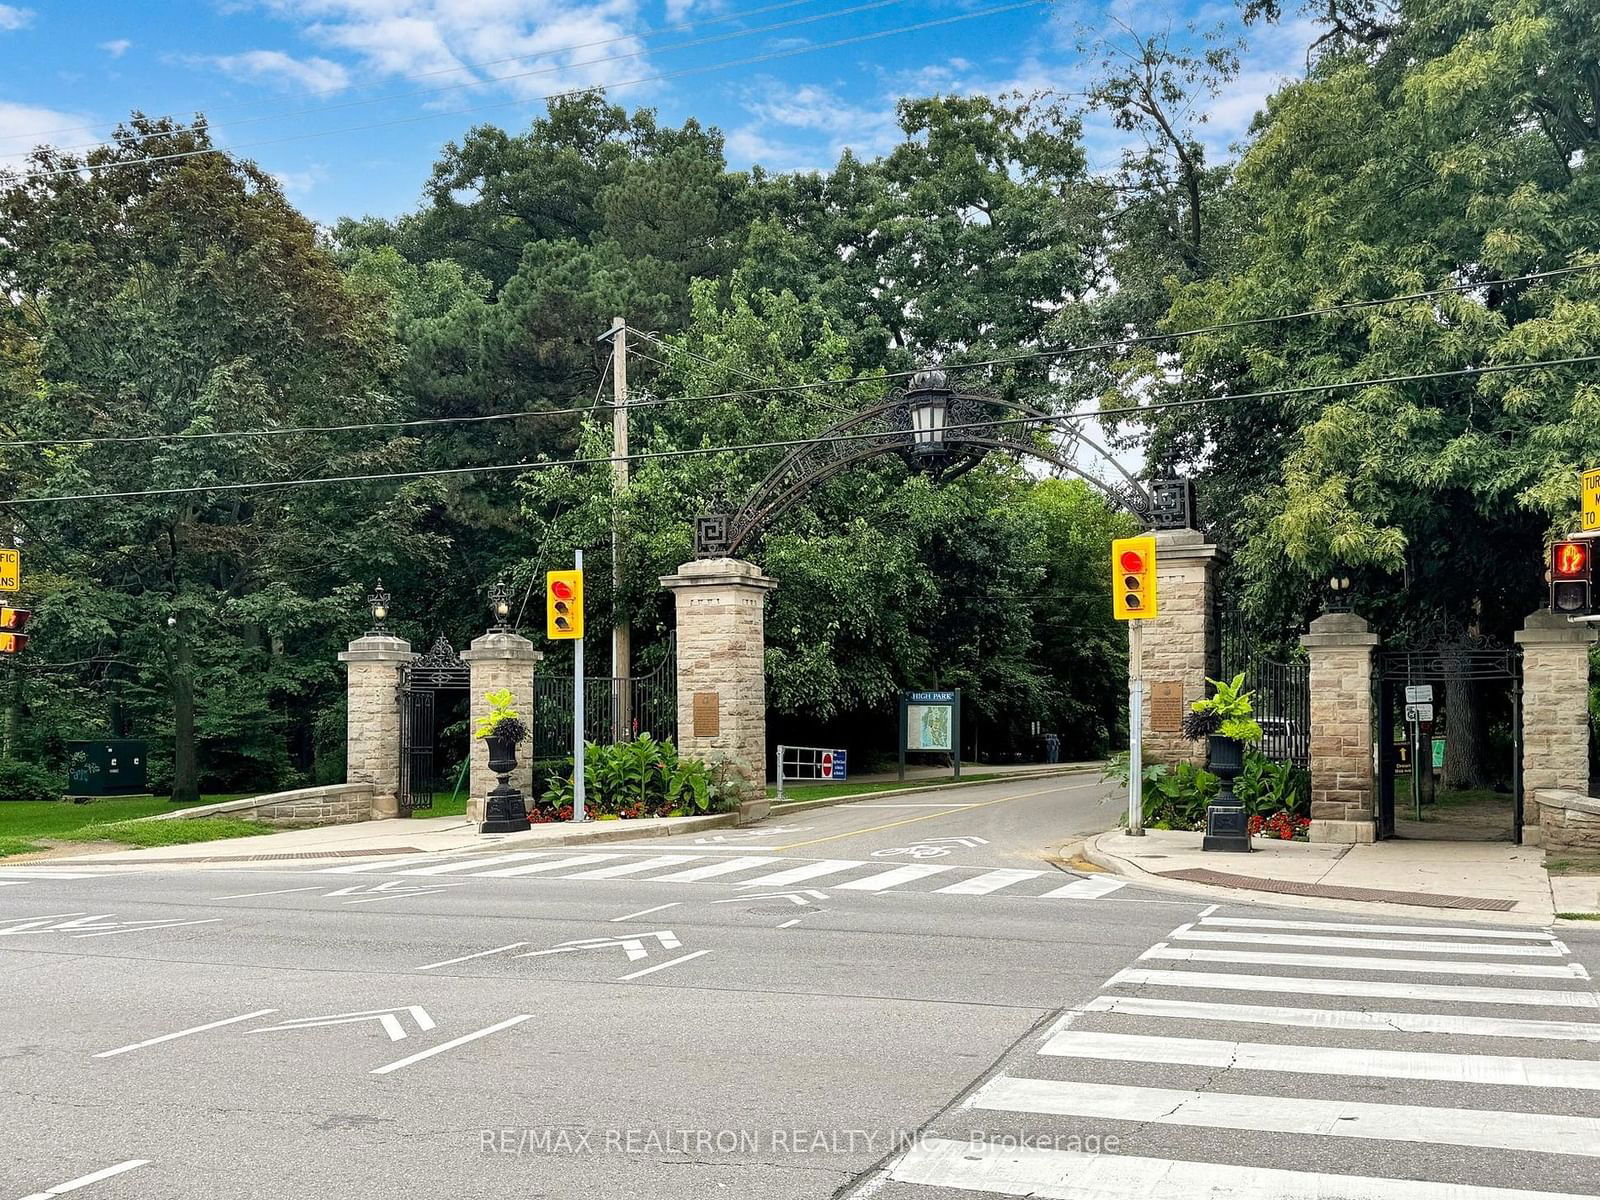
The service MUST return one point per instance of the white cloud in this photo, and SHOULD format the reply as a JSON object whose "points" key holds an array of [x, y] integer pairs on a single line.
{"points": [[116, 47], [320, 76], [12, 17], [22, 124]]}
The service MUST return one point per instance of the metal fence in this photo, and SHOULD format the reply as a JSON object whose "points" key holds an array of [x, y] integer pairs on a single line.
{"points": [[1281, 691], [808, 764], [615, 709]]}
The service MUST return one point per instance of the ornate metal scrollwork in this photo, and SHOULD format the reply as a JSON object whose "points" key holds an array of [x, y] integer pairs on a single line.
{"points": [[440, 667]]}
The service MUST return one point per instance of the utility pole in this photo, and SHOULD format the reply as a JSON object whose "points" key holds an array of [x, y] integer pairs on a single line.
{"points": [[621, 631]]}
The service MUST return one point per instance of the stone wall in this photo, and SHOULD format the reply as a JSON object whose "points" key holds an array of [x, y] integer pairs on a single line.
{"points": [[722, 692], [333, 804], [1340, 646], [1555, 711], [372, 721], [1568, 820], [1180, 644], [499, 661]]}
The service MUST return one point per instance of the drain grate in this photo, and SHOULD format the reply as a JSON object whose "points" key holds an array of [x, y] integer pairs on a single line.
{"points": [[1333, 892]]}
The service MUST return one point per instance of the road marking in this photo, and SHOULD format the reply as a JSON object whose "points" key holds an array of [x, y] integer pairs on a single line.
{"points": [[1504, 1070], [946, 804], [559, 864], [1186, 933], [280, 892], [1073, 1175], [452, 1044], [1301, 985], [1543, 1133], [1091, 887], [989, 881], [630, 944], [11, 882], [1335, 1018], [1358, 962], [649, 864], [744, 862], [387, 1017], [931, 816], [469, 864], [671, 962], [26, 924], [1208, 910], [1351, 927], [469, 957], [787, 924], [801, 898], [891, 878], [828, 866], [72, 1185], [167, 1037], [383, 864], [643, 912]]}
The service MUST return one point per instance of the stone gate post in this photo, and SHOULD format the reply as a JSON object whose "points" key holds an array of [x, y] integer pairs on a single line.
{"points": [[372, 717], [722, 685], [1179, 644], [1340, 646], [498, 661], [1555, 711]]}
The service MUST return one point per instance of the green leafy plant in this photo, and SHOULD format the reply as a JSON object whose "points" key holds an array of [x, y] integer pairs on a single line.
{"points": [[1172, 797], [1230, 708], [1266, 787], [26, 781], [503, 720], [641, 778]]}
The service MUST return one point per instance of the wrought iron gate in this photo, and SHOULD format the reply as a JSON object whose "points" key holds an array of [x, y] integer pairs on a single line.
{"points": [[1281, 692], [440, 669], [614, 709]]}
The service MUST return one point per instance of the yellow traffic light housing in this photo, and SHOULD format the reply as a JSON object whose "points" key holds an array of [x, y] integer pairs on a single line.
{"points": [[12, 622], [1133, 579], [563, 605]]}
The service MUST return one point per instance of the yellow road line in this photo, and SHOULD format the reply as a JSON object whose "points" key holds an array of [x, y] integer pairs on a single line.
{"points": [[833, 837]]}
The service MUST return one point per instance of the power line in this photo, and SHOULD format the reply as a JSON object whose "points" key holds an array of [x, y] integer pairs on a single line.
{"points": [[550, 70], [752, 60], [647, 32], [762, 389], [781, 444]]}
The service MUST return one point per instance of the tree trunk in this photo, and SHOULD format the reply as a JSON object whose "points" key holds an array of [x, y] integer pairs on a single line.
{"points": [[185, 772], [1466, 750]]}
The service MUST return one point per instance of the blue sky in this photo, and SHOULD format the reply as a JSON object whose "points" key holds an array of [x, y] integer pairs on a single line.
{"points": [[288, 81]]}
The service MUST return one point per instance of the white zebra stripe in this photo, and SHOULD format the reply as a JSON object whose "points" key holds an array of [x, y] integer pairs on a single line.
{"points": [[1091, 887], [989, 881], [473, 864], [728, 867], [1185, 933], [828, 866], [889, 879], [555, 864], [1351, 927], [1356, 962], [621, 869], [1385, 989]]}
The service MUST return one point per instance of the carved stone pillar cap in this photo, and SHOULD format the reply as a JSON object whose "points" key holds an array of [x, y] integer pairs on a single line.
{"points": [[1339, 629], [719, 572], [501, 644], [378, 648], [1545, 628]]}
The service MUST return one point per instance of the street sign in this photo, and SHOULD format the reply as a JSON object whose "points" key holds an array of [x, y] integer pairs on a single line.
{"points": [[10, 570], [931, 722], [1419, 712], [1419, 693], [1591, 499]]}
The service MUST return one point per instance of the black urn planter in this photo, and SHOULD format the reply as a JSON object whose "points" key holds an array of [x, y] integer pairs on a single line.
{"points": [[1227, 827], [504, 810]]}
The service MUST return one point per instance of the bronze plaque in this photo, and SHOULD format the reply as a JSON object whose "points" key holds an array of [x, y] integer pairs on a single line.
{"points": [[1166, 706], [707, 714]]}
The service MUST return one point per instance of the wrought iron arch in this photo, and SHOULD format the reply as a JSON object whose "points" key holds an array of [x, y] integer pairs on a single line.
{"points": [[970, 428]]}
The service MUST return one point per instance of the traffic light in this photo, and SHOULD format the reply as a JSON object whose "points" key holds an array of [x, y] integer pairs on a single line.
{"points": [[1571, 578], [12, 623], [1133, 578], [563, 604]]}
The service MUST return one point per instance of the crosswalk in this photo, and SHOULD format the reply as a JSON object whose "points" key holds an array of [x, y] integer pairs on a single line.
{"points": [[750, 871], [1267, 1082]]}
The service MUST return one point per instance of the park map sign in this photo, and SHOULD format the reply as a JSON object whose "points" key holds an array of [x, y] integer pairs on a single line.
{"points": [[930, 723]]}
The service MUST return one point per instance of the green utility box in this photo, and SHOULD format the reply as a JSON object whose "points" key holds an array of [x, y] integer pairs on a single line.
{"points": [[108, 768]]}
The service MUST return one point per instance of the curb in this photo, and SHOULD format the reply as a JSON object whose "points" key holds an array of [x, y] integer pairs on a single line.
{"points": [[1124, 869], [793, 806]]}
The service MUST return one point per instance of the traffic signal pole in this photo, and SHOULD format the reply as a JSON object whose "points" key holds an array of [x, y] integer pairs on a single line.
{"points": [[1135, 728], [621, 630], [577, 712]]}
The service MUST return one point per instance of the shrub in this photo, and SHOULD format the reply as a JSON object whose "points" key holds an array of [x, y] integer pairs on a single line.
{"points": [[641, 778], [28, 781], [1176, 797]]}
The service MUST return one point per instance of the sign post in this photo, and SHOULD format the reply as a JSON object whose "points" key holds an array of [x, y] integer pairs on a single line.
{"points": [[1135, 729], [1134, 599]]}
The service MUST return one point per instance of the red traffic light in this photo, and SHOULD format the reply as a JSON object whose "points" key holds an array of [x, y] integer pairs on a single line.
{"points": [[1132, 560], [561, 589], [1569, 560], [14, 619]]}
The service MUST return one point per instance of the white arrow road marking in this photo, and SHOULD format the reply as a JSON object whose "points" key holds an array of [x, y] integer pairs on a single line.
{"points": [[468, 957], [167, 1037], [959, 841], [91, 925], [452, 1044], [29, 923], [279, 892], [633, 946], [804, 897], [671, 962], [392, 890], [645, 912], [72, 1185], [384, 1016]]}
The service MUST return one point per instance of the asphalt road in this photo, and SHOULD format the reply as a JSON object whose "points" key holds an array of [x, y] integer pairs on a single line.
{"points": [[827, 1005]]}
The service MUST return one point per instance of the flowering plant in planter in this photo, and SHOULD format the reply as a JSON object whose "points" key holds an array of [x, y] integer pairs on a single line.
{"points": [[1283, 825], [1224, 713], [503, 723]]}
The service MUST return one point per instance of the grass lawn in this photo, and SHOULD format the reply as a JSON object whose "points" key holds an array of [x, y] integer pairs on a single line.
{"points": [[26, 826], [825, 791], [1569, 863]]}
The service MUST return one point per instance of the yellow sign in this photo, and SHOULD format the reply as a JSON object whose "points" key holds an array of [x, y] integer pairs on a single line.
{"points": [[563, 604], [10, 570], [1133, 579], [1591, 499]]}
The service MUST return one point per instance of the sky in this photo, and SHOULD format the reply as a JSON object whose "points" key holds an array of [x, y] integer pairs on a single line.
{"points": [[348, 102]]}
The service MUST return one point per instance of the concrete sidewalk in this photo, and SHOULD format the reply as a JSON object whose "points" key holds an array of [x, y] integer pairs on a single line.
{"points": [[1483, 881]]}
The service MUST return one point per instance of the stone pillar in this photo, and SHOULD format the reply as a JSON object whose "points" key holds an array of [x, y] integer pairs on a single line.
{"points": [[1555, 710], [372, 718], [498, 661], [1343, 795], [1179, 644], [722, 683]]}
